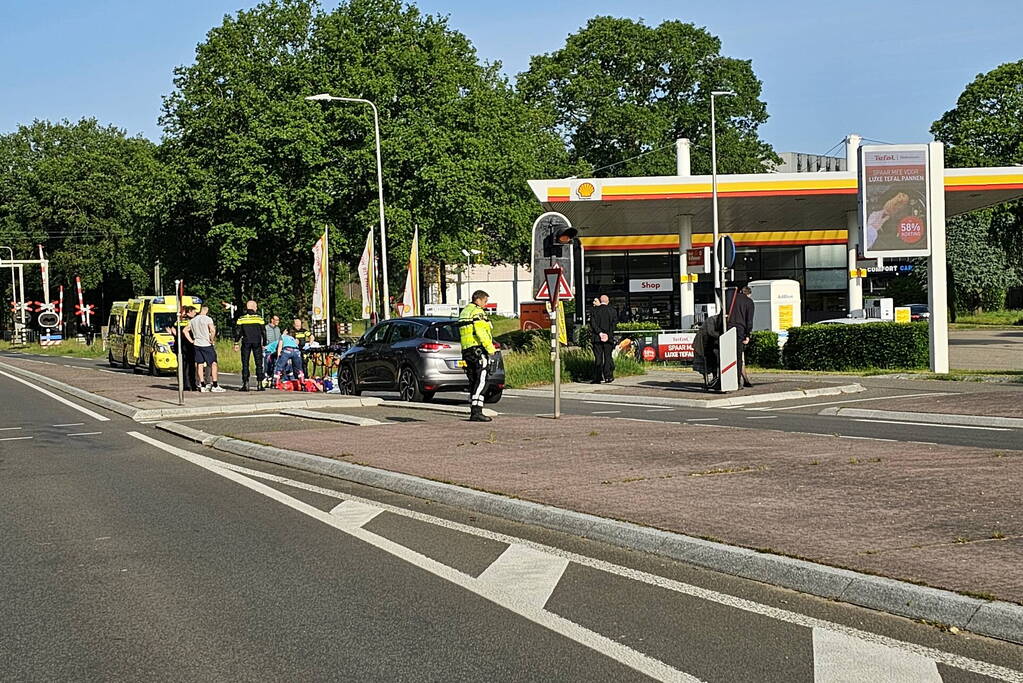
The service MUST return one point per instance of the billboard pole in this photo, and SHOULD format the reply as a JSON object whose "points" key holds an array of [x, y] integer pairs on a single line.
{"points": [[937, 289]]}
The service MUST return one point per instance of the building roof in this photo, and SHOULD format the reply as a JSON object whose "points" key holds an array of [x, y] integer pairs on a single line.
{"points": [[754, 202]]}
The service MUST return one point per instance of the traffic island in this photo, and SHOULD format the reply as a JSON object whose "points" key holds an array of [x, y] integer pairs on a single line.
{"points": [[795, 510]]}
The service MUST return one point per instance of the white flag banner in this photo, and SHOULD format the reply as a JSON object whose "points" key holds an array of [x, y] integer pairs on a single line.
{"points": [[367, 276], [319, 278], [410, 299]]}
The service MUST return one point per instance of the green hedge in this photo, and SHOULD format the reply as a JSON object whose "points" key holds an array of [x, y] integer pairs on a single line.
{"points": [[763, 350], [520, 339], [857, 346]]}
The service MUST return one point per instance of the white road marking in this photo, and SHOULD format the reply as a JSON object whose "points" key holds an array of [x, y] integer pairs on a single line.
{"points": [[8, 429], [838, 658], [972, 665], [605, 412], [70, 424], [934, 424], [601, 644], [355, 513], [112, 372], [858, 400], [16, 438], [627, 405], [639, 419], [527, 573], [85, 434], [61, 399], [762, 417], [229, 417], [863, 438], [660, 410], [702, 419]]}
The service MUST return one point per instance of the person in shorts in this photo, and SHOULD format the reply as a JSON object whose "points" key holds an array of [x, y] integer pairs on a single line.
{"points": [[203, 334]]}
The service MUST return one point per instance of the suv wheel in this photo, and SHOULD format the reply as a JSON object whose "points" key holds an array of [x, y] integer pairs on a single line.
{"points": [[110, 358], [346, 381], [408, 385], [493, 395]]}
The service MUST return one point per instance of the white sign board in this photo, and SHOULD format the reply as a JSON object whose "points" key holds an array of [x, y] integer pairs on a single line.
{"points": [[675, 346], [652, 285], [895, 200]]}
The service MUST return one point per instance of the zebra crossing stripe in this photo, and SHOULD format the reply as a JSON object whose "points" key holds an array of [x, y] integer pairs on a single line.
{"points": [[839, 658]]}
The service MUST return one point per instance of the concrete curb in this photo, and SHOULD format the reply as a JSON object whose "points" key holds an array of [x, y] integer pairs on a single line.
{"points": [[939, 418], [732, 401], [140, 415], [995, 619], [333, 417], [439, 407]]}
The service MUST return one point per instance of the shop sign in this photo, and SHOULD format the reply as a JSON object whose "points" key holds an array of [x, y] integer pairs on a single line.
{"points": [[895, 200], [675, 346], [652, 285]]}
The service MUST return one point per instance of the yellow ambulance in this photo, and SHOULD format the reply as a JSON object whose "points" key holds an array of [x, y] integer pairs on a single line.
{"points": [[149, 337], [115, 334]]}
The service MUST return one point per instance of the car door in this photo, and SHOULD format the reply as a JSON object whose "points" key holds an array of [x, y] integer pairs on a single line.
{"points": [[368, 361], [392, 355]]}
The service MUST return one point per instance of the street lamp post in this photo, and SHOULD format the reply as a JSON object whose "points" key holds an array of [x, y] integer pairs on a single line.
{"points": [[324, 97], [719, 276], [468, 253]]}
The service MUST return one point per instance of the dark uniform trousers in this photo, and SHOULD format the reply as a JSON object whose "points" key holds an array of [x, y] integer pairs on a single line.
{"points": [[188, 359], [256, 351], [477, 366], [603, 363]]}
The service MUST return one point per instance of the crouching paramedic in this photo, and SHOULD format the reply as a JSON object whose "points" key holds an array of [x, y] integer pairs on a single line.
{"points": [[477, 340]]}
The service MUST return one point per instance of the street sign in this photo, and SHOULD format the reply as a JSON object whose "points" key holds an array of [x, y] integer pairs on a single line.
{"points": [[544, 226], [49, 319], [554, 286], [726, 251]]}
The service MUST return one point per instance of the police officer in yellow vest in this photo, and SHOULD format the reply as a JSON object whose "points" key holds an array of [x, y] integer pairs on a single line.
{"points": [[477, 338], [250, 331]]}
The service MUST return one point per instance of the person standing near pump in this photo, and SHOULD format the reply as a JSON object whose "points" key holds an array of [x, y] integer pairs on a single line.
{"points": [[477, 337], [740, 318], [250, 331], [603, 321], [203, 334]]}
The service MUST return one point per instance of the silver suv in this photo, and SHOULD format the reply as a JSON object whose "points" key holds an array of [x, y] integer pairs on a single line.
{"points": [[417, 357]]}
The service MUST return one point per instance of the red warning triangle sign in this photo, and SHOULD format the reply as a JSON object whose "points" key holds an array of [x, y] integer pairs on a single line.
{"points": [[563, 290]]}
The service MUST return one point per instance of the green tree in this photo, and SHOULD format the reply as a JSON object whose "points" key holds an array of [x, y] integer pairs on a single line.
{"points": [[261, 170], [89, 194], [620, 88], [985, 128]]}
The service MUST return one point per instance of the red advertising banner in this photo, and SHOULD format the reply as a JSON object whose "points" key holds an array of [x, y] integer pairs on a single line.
{"points": [[894, 199], [675, 346]]}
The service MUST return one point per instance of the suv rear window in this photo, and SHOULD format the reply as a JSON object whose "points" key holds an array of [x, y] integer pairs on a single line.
{"points": [[445, 332]]}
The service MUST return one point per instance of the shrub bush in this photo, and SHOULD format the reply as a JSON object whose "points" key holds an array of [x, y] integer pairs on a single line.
{"points": [[857, 346], [531, 365], [520, 339], [763, 350]]}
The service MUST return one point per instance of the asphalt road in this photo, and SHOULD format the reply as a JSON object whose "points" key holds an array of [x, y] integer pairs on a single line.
{"points": [[128, 555]]}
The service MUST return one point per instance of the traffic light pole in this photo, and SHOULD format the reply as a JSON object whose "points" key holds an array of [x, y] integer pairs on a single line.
{"points": [[181, 370]]}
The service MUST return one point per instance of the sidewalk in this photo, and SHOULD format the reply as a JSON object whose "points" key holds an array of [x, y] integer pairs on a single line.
{"points": [[948, 517]]}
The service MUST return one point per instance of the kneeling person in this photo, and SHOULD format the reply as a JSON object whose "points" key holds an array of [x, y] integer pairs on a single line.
{"points": [[477, 338]]}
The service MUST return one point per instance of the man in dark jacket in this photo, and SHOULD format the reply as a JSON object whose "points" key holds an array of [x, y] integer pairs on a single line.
{"points": [[250, 331], [740, 318], [603, 321]]}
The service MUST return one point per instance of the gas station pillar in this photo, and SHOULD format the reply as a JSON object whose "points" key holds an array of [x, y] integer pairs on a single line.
{"points": [[852, 224], [687, 296]]}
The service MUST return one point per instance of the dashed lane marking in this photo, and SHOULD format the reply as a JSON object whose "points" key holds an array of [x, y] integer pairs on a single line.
{"points": [[500, 596], [762, 417], [935, 424], [627, 405], [702, 419], [85, 434], [70, 424], [9, 429], [16, 438], [856, 400], [55, 397], [947, 658], [605, 412]]}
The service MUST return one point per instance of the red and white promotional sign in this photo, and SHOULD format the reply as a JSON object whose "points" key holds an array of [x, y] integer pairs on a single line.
{"points": [[895, 203], [698, 260], [675, 346]]}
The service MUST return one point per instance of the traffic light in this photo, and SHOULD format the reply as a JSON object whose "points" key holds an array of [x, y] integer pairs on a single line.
{"points": [[556, 240]]}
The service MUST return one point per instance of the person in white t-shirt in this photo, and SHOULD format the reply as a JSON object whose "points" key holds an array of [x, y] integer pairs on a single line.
{"points": [[203, 334]]}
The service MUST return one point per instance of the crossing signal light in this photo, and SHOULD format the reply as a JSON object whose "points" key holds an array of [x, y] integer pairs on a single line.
{"points": [[554, 243]]}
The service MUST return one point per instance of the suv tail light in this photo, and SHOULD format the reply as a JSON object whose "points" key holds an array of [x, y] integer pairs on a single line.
{"points": [[432, 347]]}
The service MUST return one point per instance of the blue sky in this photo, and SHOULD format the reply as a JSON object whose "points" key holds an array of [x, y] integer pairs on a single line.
{"points": [[882, 69]]}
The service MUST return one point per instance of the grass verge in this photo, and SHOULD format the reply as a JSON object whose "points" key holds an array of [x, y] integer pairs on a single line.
{"points": [[72, 349], [532, 366], [1002, 318]]}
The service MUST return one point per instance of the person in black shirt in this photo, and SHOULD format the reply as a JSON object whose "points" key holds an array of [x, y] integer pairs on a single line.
{"points": [[740, 317], [603, 320], [250, 334]]}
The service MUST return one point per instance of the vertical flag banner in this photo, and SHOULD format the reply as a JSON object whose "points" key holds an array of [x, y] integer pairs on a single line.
{"points": [[320, 277], [367, 277], [410, 299]]}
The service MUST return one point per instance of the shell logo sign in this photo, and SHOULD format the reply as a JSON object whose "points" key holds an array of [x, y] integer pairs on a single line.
{"points": [[585, 191]]}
